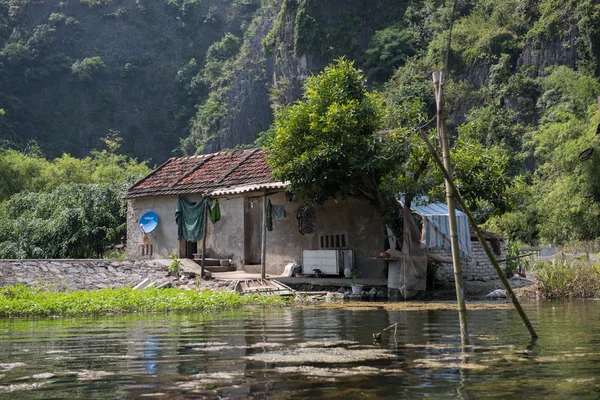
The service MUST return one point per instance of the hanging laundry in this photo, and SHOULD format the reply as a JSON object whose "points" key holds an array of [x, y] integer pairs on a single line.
{"points": [[306, 219], [278, 212], [190, 220], [214, 212]]}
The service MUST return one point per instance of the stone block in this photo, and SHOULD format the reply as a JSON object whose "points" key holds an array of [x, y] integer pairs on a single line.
{"points": [[53, 269]]}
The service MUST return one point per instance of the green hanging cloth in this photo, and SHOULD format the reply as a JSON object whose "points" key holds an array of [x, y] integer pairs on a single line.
{"points": [[269, 216], [190, 219], [214, 212]]}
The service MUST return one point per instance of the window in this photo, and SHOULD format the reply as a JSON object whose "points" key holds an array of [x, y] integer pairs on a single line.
{"points": [[333, 241]]}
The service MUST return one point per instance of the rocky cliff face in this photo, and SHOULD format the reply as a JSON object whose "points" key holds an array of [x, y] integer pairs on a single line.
{"points": [[292, 40], [140, 46], [160, 71], [300, 38]]}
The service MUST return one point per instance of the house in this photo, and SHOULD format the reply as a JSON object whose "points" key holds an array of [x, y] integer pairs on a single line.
{"points": [[242, 182]]}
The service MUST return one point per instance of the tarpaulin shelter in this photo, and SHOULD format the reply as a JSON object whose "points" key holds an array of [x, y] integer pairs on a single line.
{"points": [[435, 233], [409, 273]]}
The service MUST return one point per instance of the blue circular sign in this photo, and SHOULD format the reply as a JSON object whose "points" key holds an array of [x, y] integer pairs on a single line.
{"points": [[148, 222]]}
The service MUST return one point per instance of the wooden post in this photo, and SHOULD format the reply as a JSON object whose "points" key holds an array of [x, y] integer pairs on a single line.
{"points": [[438, 82], [263, 264], [482, 240], [204, 238]]}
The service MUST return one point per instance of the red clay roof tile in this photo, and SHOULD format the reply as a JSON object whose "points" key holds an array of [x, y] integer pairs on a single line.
{"points": [[204, 174]]}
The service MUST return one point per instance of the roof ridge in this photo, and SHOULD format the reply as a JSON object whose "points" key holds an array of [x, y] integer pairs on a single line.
{"points": [[243, 160], [193, 169]]}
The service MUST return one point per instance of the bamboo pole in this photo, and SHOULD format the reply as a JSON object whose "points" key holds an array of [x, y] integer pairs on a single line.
{"points": [[482, 240], [450, 194], [263, 263], [204, 238]]}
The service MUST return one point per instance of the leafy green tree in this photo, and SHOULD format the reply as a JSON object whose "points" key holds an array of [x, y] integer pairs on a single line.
{"points": [[67, 169], [327, 145], [389, 49], [70, 221], [330, 145], [20, 172], [562, 201], [109, 166], [66, 207]]}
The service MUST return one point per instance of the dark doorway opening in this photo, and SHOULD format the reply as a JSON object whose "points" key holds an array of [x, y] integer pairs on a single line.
{"points": [[188, 249], [253, 215]]}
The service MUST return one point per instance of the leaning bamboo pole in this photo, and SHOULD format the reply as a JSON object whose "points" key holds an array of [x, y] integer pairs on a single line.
{"points": [[450, 195], [482, 240], [263, 250]]}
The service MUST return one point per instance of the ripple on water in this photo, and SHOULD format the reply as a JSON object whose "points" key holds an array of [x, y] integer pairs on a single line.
{"points": [[307, 353]]}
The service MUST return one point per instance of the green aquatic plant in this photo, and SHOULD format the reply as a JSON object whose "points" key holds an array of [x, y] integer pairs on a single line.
{"points": [[22, 301]]}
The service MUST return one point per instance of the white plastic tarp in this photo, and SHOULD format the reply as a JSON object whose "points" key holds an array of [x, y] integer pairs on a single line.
{"points": [[436, 227]]}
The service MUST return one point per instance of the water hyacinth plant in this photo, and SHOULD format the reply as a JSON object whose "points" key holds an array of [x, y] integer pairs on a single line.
{"points": [[20, 301]]}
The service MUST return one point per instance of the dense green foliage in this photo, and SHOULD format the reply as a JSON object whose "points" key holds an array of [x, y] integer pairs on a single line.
{"points": [[533, 114], [326, 144], [198, 75], [23, 301], [329, 145], [71, 70], [563, 278], [64, 208]]}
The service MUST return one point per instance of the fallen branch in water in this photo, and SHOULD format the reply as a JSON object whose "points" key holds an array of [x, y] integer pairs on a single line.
{"points": [[377, 336]]}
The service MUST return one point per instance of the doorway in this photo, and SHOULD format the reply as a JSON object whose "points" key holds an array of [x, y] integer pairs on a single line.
{"points": [[253, 215], [188, 249]]}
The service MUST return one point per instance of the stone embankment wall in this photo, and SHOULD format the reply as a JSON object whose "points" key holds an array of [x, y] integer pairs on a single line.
{"points": [[80, 274], [477, 268]]}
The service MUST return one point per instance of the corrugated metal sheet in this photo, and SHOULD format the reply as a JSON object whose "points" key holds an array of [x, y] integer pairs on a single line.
{"points": [[247, 188]]}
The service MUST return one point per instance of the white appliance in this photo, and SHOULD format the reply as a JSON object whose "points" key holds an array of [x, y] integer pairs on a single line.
{"points": [[330, 262]]}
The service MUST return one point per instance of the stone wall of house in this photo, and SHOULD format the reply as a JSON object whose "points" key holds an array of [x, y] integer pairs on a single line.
{"points": [[80, 274], [164, 238], [477, 268]]}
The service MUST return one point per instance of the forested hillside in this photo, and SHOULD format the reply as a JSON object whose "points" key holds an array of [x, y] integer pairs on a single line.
{"points": [[72, 70], [189, 76]]}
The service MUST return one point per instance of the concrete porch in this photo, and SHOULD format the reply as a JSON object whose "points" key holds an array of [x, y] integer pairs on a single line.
{"points": [[334, 281]]}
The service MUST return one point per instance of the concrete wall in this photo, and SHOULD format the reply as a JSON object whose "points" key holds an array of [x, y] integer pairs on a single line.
{"points": [[80, 274], [478, 268], [363, 227], [225, 239], [164, 237]]}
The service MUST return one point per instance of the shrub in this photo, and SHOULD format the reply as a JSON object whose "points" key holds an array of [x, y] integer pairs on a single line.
{"points": [[86, 69], [562, 278], [174, 267]]}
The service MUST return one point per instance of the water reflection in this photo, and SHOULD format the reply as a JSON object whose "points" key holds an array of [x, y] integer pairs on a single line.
{"points": [[305, 353]]}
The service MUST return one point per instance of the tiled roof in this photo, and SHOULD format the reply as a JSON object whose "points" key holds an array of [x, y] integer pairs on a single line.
{"points": [[217, 173]]}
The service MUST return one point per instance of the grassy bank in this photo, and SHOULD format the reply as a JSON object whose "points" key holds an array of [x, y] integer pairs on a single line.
{"points": [[21, 301], [564, 278]]}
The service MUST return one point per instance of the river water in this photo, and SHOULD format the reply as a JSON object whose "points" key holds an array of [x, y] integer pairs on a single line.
{"points": [[306, 353]]}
